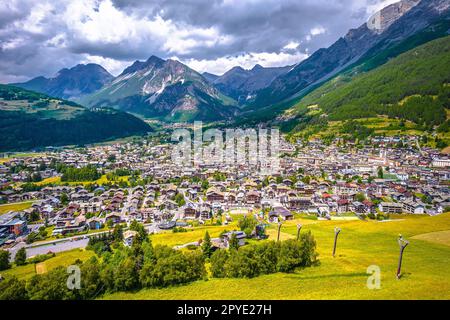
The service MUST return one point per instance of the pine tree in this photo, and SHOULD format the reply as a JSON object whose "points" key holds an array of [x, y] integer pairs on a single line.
{"points": [[21, 257], [206, 245]]}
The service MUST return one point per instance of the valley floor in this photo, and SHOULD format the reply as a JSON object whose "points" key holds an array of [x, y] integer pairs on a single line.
{"points": [[361, 244]]}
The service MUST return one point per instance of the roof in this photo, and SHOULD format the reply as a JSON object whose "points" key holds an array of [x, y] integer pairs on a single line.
{"points": [[276, 211], [239, 234], [129, 234], [14, 222], [390, 204]]}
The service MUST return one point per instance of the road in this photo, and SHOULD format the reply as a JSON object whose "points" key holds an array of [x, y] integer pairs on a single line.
{"points": [[57, 247], [64, 244]]}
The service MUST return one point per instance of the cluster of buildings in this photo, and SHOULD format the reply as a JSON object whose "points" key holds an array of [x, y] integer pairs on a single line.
{"points": [[375, 180]]}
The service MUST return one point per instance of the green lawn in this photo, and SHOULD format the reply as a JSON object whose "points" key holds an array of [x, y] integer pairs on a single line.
{"points": [[13, 155], [57, 181], [61, 259], [442, 237], [5, 208], [361, 244], [173, 239]]}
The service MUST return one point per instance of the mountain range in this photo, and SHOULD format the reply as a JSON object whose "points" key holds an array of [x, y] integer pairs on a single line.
{"points": [[409, 94], [70, 83], [163, 88], [241, 84], [405, 19], [173, 92]]}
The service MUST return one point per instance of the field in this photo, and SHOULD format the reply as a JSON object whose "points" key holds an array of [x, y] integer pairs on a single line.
{"points": [[13, 155], [361, 244], [174, 239], [57, 181], [5, 208], [442, 237], [61, 259]]}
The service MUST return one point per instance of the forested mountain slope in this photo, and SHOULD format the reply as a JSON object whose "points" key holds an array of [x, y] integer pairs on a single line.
{"points": [[30, 120]]}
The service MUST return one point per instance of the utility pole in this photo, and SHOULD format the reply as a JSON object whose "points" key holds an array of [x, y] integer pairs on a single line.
{"points": [[299, 227], [279, 228], [402, 243], [336, 233]]}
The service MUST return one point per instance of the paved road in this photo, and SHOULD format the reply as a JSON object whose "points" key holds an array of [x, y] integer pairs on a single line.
{"points": [[64, 244], [57, 247]]}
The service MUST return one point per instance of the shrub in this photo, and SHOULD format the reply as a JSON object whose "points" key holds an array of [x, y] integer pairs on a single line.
{"points": [[265, 258], [41, 258], [13, 289]]}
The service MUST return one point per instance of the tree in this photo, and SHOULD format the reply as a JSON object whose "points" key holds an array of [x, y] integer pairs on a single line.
{"points": [[117, 233], [380, 173], [206, 245], [111, 158], [205, 184], [234, 242], [172, 267], [109, 223], [4, 260], [50, 286], [290, 256], [21, 257], [64, 199], [13, 289], [179, 199], [242, 263], [91, 284], [360, 197], [88, 173], [218, 261], [126, 276], [267, 253], [140, 229], [247, 224], [308, 249]]}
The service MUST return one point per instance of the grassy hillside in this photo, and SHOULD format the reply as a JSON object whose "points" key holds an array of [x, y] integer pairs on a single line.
{"points": [[413, 87], [361, 244], [30, 120], [61, 259]]}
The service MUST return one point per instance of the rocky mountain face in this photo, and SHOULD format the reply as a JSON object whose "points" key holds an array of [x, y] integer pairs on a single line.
{"points": [[163, 88], [384, 18], [241, 84], [71, 83], [397, 23], [210, 77]]}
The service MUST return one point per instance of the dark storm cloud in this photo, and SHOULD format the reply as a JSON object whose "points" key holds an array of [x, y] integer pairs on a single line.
{"points": [[39, 37], [256, 26]]}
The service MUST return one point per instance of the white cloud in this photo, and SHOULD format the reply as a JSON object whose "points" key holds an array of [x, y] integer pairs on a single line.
{"points": [[292, 45], [317, 31], [107, 25], [246, 61], [115, 67], [39, 37], [35, 21]]}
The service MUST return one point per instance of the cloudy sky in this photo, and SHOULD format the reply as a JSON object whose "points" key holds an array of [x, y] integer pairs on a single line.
{"points": [[39, 37]]}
